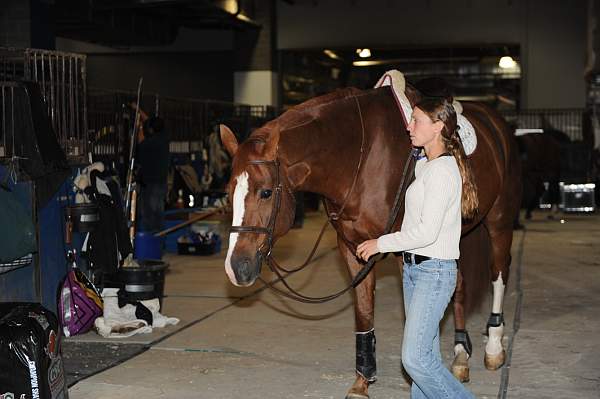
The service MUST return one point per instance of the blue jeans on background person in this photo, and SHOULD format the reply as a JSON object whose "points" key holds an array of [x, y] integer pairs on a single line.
{"points": [[428, 287], [152, 206]]}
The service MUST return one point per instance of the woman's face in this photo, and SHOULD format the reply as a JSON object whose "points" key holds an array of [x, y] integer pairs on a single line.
{"points": [[423, 131]]}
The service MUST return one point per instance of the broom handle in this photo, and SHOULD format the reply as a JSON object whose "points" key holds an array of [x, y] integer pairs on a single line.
{"points": [[132, 144], [132, 216], [187, 223]]}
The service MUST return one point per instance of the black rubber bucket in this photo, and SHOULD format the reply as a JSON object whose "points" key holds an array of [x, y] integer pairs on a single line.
{"points": [[85, 217], [141, 283]]}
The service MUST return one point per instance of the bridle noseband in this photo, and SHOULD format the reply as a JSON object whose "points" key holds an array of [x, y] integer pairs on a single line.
{"points": [[277, 189]]}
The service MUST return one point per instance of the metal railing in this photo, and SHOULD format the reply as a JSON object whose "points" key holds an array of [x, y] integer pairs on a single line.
{"points": [[8, 125], [107, 125], [571, 128], [188, 121], [569, 121], [62, 80]]}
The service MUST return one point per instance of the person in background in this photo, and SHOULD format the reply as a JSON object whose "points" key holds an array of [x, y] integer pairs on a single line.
{"points": [[153, 159], [442, 194]]}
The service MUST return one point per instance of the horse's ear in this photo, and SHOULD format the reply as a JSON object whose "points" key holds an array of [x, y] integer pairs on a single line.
{"points": [[228, 139], [298, 173]]}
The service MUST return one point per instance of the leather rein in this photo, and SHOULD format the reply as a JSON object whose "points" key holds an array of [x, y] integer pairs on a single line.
{"points": [[265, 249]]}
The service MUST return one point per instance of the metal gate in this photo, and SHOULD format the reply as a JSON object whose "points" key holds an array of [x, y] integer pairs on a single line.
{"points": [[571, 122], [62, 80], [189, 121]]}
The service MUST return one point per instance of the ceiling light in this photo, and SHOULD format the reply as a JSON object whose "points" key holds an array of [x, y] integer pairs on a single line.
{"points": [[243, 17], [507, 62], [363, 52], [331, 54], [366, 63]]}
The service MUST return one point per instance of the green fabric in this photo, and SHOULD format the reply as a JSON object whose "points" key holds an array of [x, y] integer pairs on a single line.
{"points": [[17, 231]]}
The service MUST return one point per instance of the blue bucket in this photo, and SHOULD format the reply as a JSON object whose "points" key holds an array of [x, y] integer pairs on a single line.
{"points": [[147, 246]]}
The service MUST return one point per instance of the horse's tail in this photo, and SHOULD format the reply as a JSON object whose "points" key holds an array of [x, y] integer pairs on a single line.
{"points": [[474, 264]]}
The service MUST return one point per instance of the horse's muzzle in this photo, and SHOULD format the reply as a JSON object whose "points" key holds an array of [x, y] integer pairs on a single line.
{"points": [[246, 270]]}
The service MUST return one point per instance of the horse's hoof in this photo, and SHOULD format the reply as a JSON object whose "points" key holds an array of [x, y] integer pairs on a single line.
{"points": [[358, 392], [494, 362], [356, 396], [460, 367]]}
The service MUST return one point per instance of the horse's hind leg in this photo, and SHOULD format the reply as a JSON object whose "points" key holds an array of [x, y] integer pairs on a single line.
{"points": [[501, 243], [471, 284], [364, 303]]}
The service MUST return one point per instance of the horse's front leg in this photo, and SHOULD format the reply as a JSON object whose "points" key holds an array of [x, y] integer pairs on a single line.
{"points": [[462, 342], [364, 304]]}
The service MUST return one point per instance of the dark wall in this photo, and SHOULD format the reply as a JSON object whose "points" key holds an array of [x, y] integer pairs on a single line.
{"points": [[551, 34], [193, 75], [26, 23], [343, 23], [555, 54], [199, 64]]}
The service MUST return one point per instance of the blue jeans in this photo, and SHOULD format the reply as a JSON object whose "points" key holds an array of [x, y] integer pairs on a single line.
{"points": [[428, 288], [152, 206]]}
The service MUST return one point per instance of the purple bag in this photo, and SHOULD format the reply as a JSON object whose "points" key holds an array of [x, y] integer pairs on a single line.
{"points": [[79, 304]]}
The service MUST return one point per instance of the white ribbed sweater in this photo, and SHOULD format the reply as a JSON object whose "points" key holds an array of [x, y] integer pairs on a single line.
{"points": [[432, 217]]}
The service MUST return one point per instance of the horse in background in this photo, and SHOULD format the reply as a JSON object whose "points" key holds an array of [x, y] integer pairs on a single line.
{"points": [[351, 147], [541, 162]]}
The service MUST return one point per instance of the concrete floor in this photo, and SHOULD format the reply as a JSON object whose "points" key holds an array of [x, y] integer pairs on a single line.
{"points": [[250, 343]]}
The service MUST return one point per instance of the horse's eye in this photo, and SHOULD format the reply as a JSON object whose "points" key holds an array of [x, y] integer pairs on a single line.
{"points": [[265, 194]]}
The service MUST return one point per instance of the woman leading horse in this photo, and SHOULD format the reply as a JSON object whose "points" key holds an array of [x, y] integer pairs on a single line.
{"points": [[442, 194], [333, 145]]}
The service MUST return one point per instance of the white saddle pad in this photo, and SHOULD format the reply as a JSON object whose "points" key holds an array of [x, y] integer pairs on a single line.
{"points": [[395, 79]]}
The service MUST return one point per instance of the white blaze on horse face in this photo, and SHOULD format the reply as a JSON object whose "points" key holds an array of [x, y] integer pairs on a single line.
{"points": [[494, 344], [239, 198]]}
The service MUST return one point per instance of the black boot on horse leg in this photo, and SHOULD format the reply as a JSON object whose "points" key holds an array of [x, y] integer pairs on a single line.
{"points": [[462, 342], [366, 364], [364, 304]]}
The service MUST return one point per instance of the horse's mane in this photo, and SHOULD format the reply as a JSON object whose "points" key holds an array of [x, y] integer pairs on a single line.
{"points": [[305, 112]]}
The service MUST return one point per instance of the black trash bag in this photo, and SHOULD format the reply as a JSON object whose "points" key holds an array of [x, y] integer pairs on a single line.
{"points": [[31, 365]]}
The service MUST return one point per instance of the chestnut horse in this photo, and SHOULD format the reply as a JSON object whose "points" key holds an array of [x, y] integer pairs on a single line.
{"points": [[351, 146]]}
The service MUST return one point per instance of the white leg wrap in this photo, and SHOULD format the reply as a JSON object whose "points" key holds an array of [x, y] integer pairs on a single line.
{"points": [[494, 344]]}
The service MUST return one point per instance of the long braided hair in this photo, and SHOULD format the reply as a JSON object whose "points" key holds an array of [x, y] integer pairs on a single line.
{"points": [[441, 109]]}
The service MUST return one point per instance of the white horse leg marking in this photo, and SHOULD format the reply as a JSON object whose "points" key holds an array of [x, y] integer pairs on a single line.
{"points": [[494, 344], [239, 197], [498, 294]]}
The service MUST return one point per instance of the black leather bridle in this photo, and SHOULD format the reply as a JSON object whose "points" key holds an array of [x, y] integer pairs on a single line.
{"points": [[268, 231]]}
